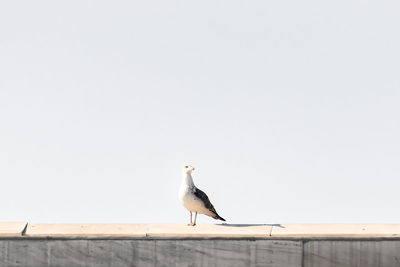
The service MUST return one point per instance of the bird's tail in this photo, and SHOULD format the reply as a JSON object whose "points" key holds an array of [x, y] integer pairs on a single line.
{"points": [[217, 217]]}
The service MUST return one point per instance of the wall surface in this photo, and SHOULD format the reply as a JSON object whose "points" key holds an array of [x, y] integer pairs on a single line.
{"points": [[206, 245], [150, 253]]}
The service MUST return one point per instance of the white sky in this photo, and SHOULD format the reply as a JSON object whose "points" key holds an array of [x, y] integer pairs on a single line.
{"points": [[289, 110]]}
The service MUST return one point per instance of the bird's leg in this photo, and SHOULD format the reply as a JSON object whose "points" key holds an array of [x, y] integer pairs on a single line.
{"points": [[195, 217], [190, 224]]}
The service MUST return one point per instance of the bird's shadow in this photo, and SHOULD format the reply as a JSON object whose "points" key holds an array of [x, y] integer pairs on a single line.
{"points": [[250, 225]]}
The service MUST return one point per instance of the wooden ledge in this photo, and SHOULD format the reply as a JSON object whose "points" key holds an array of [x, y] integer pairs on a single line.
{"points": [[86, 230], [209, 230], [276, 231], [336, 230], [12, 229], [148, 230]]}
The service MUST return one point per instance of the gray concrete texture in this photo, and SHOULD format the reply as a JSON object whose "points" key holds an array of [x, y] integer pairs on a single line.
{"points": [[199, 252], [150, 253]]}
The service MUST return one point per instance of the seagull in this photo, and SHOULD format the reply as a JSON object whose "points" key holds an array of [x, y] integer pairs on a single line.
{"points": [[193, 199]]}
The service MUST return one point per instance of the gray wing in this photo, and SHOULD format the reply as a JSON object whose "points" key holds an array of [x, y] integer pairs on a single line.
{"points": [[204, 198]]}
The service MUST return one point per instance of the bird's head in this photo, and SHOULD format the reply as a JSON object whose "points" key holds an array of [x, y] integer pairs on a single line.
{"points": [[188, 169]]}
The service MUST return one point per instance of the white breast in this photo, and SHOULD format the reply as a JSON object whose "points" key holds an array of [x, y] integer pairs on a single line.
{"points": [[190, 201]]}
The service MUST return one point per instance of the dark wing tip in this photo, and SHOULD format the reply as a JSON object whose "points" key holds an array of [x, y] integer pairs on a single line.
{"points": [[217, 217], [203, 197]]}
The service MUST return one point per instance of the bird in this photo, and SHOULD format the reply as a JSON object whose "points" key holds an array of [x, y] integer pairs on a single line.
{"points": [[193, 199]]}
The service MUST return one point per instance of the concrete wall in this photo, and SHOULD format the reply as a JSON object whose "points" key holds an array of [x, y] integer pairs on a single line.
{"points": [[219, 253], [207, 245], [345, 253], [150, 253]]}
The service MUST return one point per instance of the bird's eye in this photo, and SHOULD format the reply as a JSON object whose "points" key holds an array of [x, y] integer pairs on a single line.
{"points": [[186, 166]]}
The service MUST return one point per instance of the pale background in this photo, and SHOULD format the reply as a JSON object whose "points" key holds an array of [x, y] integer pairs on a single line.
{"points": [[289, 110]]}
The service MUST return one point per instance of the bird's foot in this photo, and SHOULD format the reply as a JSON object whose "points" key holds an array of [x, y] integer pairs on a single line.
{"points": [[191, 224]]}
